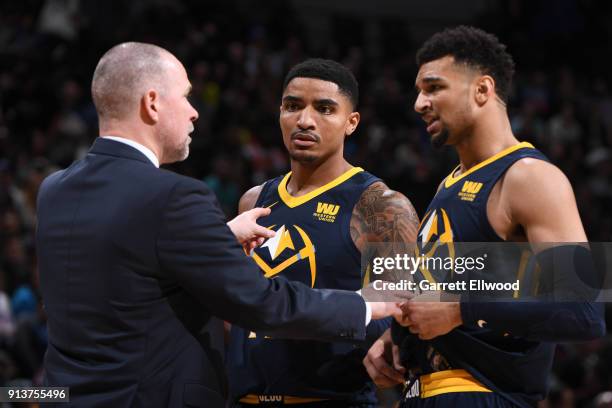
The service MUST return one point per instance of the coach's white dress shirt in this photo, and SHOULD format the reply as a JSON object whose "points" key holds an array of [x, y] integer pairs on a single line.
{"points": [[142, 149]]}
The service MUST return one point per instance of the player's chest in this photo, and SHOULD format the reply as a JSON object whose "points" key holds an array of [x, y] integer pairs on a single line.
{"points": [[311, 244], [457, 213]]}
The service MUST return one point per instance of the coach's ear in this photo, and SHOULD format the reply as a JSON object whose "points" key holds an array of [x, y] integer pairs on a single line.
{"points": [[485, 89], [351, 123], [149, 107]]}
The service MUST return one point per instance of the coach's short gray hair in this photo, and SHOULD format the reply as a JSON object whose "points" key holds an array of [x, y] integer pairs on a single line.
{"points": [[122, 76]]}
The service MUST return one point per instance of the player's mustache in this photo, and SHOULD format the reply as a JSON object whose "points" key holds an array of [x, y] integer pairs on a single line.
{"points": [[300, 134], [428, 117]]}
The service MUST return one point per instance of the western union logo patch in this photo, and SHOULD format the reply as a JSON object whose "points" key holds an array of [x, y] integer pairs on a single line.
{"points": [[328, 209], [469, 190], [326, 212], [471, 187]]}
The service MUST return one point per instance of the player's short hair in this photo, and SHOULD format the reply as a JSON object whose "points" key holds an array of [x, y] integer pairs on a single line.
{"points": [[122, 76], [475, 48], [327, 70]]}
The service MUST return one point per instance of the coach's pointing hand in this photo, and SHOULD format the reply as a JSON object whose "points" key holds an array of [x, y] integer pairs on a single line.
{"points": [[247, 231]]}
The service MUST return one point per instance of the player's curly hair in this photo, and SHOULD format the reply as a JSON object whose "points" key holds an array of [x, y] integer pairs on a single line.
{"points": [[476, 48], [327, 70]]}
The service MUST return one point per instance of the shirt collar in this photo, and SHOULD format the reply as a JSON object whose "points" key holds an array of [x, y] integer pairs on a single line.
{"points": [[142, 149]]}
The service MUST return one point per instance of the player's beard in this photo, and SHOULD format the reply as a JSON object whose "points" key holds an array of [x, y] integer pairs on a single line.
{"points": [[440, 139], [303, 157]]}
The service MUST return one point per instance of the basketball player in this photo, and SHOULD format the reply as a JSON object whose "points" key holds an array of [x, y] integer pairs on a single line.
{"points": [[485, 354], [324, 212]]}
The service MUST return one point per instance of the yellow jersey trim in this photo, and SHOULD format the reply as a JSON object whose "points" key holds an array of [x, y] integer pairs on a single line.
{"points": [[253, 399], [451, 179], [293, 202], [444, 382]]}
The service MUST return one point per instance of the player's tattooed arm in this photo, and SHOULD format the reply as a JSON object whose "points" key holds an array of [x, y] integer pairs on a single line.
{"points": [[384, 216]]}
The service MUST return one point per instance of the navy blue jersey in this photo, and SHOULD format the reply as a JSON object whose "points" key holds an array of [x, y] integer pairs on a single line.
{"points": [[312, 245], [513, 367]]}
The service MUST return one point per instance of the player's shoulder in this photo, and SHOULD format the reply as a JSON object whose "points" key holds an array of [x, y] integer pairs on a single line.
{"points": [[532, 173], [383, 215], [381, 190], [249, 198], [531, 186], [378, 188], [441, 184], [378, 198]]}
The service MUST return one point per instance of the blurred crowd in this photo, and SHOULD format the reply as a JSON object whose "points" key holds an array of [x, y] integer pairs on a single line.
{"points": [[236, 53]]}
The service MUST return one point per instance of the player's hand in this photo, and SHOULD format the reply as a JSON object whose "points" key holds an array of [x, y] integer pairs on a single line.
{"points": [[430, 319], [383, 363], [246, 230]]}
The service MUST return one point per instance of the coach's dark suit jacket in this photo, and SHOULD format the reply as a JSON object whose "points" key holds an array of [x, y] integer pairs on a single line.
{"points": [[135, 262]]}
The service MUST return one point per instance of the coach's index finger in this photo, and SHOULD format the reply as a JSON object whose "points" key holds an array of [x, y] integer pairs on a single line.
{"points": [[263, 232], [257, 212], [259, 231]]}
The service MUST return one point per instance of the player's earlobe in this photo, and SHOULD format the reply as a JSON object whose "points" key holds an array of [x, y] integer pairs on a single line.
{"points": [[352, 122], [485, 88]]}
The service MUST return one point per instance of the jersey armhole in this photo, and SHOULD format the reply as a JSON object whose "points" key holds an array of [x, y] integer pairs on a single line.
{"points": [[263, 193], [483, 209]]}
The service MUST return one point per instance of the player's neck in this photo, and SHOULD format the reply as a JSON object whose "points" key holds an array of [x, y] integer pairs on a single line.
{"points": [[488, 138], [306, 178]]}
